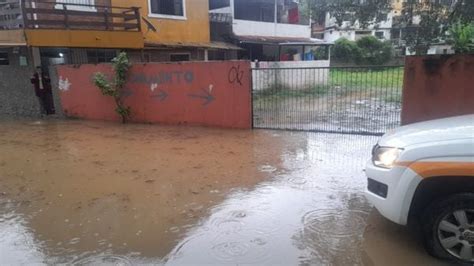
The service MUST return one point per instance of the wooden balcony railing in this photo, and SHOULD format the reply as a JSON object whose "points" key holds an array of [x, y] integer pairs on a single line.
{"points": [[10, 15], [56, 15]]}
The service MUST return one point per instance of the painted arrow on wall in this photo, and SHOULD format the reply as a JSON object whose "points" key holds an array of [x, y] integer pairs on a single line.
{"points": [[206, 96], [127, 92], [162, 95]]}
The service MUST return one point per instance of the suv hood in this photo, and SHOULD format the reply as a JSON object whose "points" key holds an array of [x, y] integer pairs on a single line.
{"points": [[458, 127]]}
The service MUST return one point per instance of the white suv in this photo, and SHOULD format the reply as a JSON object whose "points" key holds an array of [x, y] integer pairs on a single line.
{"points": [[424, 172]]}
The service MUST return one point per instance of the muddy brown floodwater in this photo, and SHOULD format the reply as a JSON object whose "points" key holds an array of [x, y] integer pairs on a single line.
{"points": [[89, 192]]}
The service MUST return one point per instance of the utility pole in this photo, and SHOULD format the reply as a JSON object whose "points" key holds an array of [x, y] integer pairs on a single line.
{"points": [[275, 20], [275, 12]]}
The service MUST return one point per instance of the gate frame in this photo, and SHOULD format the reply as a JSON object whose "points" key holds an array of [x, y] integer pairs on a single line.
{"points": [[399, 68]]}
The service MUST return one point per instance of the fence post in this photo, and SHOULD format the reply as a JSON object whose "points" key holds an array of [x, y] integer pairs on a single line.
{"points": [[251, 98]]}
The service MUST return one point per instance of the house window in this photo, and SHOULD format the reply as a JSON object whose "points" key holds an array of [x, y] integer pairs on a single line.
{"points": [[4, 59], [179, 57], [318, 35], [254, 10], [79, 5], [217, 55], [361, 33], [100, 56], [379, 34], [167, 8]]}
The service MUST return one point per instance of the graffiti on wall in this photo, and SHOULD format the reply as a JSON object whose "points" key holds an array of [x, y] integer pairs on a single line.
{"points": [[171, 78], [64, 84], [213, 93], [127, 92], [161, 95], [235, 75], [204, 95], [163, 77]]}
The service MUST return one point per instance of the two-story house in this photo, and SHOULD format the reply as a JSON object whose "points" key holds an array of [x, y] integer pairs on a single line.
{"points": [[275, 35], [47, 32], [34, 32], [267, 30]]}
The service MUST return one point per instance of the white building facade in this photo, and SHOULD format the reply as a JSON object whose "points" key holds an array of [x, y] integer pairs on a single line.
{"points": [[354, 31], [275, 34]]}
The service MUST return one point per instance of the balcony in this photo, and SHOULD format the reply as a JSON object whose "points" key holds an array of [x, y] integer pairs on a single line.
{"points": [[11, 24], [10, 15], [270, 18], [270, 29], [56, 24]]}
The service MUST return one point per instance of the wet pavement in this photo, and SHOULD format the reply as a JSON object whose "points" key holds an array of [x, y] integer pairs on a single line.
{"points": [[90, 192]]}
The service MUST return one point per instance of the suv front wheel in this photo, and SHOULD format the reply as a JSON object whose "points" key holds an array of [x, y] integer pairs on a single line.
{"points": [[448, 228]]}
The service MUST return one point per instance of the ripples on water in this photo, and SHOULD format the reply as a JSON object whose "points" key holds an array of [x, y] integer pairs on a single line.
{"points": [[17, 243], [331, 223], [309, 209], [312, 211], [104, 260]]}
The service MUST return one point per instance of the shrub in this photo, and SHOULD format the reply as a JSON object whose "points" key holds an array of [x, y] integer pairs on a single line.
{"points": [[114, 88], [372, 51], [461, 37], [321, 53], [345, 50]]}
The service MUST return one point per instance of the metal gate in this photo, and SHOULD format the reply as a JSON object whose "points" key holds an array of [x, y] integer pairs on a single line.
{"points": [[358, 100]]}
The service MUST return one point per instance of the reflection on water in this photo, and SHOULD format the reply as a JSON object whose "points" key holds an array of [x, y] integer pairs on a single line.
{"points": [[311, 211], [89, 193], [17, 242]]}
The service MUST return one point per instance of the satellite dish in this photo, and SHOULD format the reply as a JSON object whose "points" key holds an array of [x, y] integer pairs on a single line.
{"points": [[149, 25]]}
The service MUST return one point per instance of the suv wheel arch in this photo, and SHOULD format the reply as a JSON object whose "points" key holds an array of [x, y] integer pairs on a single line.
{"points": [[435, 188]]}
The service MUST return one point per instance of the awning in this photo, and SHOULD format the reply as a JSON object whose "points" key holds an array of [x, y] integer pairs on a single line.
{"points": [[205, 45], [281, 40], [12, 38], [11, 44]]}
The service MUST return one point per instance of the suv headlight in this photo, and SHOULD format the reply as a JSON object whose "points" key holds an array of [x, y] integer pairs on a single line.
{"points": [[385, 156]]}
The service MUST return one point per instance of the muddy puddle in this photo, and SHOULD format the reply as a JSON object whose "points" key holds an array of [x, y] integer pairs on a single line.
{"points": [[91, 193]]}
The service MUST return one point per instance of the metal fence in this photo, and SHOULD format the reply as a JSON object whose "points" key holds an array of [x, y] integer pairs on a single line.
{"points": [[359, 100]]}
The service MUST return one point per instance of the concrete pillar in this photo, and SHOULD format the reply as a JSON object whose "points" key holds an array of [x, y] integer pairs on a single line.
{"points": [[206, 55], [36, 56]]}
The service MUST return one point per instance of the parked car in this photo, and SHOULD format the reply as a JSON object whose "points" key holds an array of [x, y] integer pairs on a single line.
{"points": [[424, 172]]}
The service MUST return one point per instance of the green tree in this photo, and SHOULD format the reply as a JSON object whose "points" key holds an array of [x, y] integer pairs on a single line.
{"points": [[461, 37], [345, 50], [363, 11], [463, 11], [426, 22], [429, 29], [367, 50], [373, 51], [121, 66]]}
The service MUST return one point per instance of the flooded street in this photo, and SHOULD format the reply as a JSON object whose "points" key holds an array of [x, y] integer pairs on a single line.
{"points": [[90, 192]]}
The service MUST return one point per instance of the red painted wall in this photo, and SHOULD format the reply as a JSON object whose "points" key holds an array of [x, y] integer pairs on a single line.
{"points": [[437, 87], [194, 93]]}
